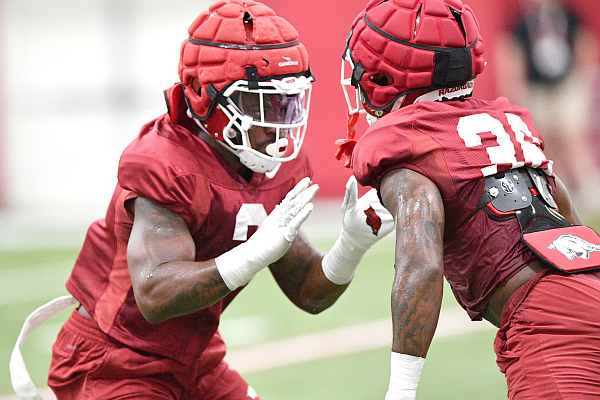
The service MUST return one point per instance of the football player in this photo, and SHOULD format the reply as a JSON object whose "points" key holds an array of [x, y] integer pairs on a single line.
{"points": [[474, 199], [208, 194]]}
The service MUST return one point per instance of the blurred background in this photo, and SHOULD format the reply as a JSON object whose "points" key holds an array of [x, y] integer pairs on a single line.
{"points": [[79, 78]]}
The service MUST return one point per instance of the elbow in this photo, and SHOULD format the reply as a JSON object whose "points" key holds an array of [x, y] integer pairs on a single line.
{"points": [[436, 272], [319, 302], [313, 307], [150, 309], [152, 318], [427, 276], [428, 281], [150, 312], [432, 275]]}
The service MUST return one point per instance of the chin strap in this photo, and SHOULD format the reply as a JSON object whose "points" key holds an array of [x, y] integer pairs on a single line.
{"points": [[249, 160], [252, 161], [346, 146]]}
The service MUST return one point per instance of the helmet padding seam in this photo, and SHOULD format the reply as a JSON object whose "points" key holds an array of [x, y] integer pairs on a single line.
{"points": [[242, 46]]}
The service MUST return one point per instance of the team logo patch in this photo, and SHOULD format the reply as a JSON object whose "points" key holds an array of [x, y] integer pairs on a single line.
{"points": [[580, 245], [507, 186], [373, 220], [572, 246]]}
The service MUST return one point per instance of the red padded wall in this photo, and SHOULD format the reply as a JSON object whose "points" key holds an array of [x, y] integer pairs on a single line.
{"points": [[323, 28]]}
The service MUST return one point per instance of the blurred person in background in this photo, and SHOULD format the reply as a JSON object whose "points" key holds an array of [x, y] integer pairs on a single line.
{"points": [[208, 194], [474, 198], [548, 62]]}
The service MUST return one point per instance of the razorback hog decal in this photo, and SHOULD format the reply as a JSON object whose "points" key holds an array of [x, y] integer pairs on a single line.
{"points": [[572, 246], [373, 220]]}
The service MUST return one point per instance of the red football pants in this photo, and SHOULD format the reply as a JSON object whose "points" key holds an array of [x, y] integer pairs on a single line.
{"points": [[87, 364], [549, 343]]}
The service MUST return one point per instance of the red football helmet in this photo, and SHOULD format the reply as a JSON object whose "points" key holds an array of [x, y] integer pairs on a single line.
{"points": [[243, 66], [399, 50]]}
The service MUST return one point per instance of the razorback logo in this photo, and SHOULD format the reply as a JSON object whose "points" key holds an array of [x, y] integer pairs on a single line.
{"points": [[373, 220], [572, 246]]}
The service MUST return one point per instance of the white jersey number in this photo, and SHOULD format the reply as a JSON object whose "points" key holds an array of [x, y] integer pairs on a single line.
{"points": [[249, 215], [471, 127]]}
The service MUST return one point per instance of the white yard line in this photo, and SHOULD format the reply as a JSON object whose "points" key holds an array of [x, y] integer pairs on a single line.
{"points": [[326, 344], [338, 342]]}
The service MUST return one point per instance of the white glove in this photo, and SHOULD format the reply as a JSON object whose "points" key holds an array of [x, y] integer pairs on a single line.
{"points": [[364, 227], [271, 240], [365, 221]]}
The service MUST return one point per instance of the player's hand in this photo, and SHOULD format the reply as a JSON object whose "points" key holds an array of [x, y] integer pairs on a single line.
{"points": [[365, 220], [278, 231], [271, 240]]}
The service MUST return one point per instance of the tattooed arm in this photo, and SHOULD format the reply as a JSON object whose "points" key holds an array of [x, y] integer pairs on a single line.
{"points": [[416, 204], [161, 252], [301, 278], [166, 280], [314, 282]]}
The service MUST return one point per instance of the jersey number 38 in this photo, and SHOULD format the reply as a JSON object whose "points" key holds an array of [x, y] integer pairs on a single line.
{"points": [[502, 147]]}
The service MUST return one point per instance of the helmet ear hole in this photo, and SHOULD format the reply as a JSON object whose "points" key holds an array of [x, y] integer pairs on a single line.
{"points": [[248, 26], [382, 79], [417, 21], [196, 86]]}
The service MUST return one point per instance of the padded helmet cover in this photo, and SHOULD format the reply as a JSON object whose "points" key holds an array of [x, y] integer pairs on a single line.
{"points": [[421, 44], [221, 46]]}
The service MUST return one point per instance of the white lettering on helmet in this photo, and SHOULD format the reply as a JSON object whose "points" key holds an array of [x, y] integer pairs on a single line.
{"points": [[444, 91], [288, 62]]}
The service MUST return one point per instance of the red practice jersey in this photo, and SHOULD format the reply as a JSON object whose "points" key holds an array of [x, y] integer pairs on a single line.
{"points": [[171, 166], [456, 144]]}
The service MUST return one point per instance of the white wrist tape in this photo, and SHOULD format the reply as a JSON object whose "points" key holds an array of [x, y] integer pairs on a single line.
{"points": [[340, 263], [271, 240], [404, 376], [237, 267]]}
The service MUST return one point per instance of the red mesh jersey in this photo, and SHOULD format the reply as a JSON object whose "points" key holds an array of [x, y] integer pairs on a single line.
{"points": [[456, 144], [172, 167]]}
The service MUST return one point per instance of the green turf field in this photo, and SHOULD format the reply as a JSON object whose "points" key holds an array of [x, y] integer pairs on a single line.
{"points": [[460, 366], [32, 277]]}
